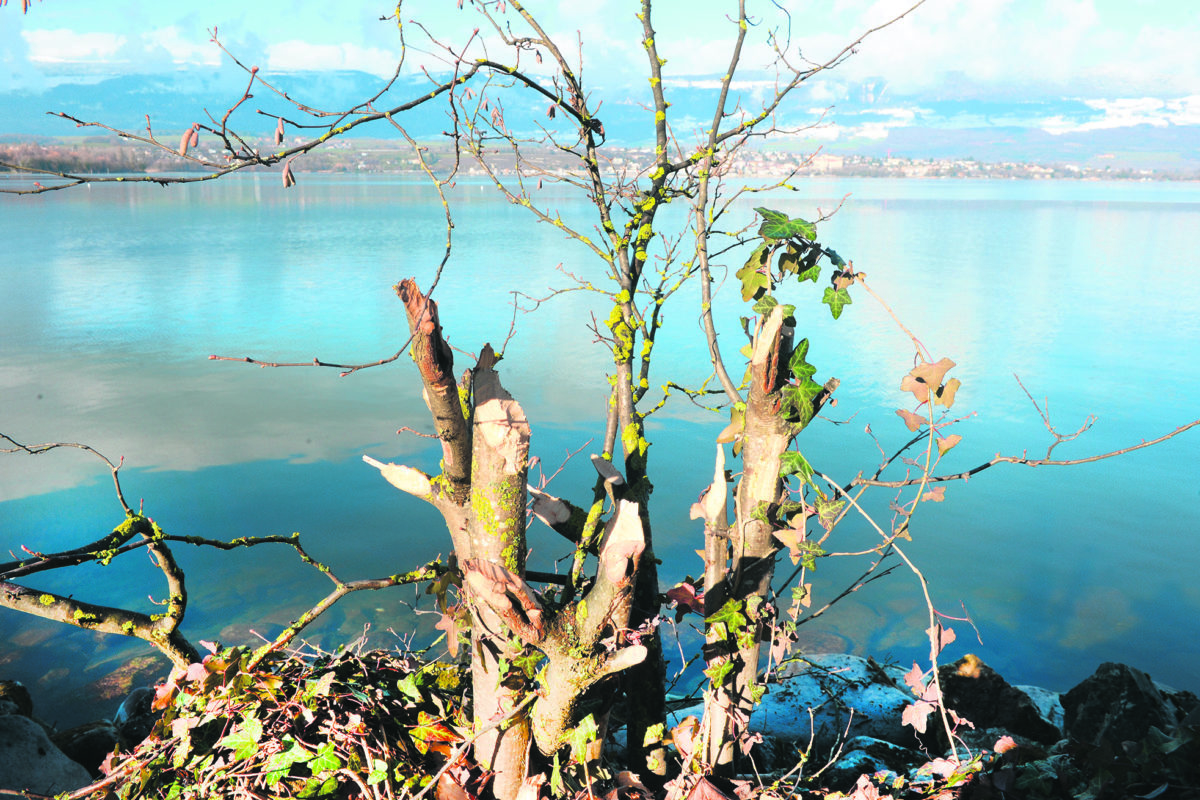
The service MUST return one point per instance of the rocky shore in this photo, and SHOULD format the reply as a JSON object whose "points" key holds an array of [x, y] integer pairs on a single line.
{"points": [[1117, 734]]}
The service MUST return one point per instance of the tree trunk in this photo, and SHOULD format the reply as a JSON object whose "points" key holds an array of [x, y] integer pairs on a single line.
{"points": [[737, 595], [481, 494]]}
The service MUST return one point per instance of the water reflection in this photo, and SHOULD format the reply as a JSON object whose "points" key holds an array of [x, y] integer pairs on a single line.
{"points": [[114, 299]]}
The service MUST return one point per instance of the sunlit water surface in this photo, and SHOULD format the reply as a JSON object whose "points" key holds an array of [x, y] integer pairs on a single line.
{"points": [[112, 298]]}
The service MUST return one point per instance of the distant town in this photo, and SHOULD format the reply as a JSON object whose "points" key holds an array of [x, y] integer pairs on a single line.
{"points": [[105, 155]]}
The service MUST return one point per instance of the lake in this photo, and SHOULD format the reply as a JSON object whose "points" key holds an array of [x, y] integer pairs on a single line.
{"points": [[113, 297]]}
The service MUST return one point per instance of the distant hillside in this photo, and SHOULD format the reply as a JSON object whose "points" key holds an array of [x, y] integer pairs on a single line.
{"points": [[945, 129]]}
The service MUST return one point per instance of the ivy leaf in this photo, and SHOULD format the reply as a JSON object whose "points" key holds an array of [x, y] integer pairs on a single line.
{"points": [[828, 511], [728, 617], [800, 368], [718, 672], [797, 405], [935, 495], [378, 773], [911, 421], [581, 736], [752, 275], [280, 764], [836, 299], [837, 260], [799, 550], [325, 760], [777, 225], [737, 424], [754, 283], [410, 686], [430, 734], [789, 259], [765, 305], [320, 687], [244, 741], [683, 735], [794, 463], [810, 268]]}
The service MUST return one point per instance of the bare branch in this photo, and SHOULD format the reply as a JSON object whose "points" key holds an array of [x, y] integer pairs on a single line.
{"points": [[1029, 462]]}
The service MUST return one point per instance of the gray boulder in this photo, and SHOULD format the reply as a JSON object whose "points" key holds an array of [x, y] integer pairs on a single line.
{"points": [[29, 761], [863, 755], [88, 744], [1119, 703], [828, 698], [15, 699], [135, 717], [977, 692]]}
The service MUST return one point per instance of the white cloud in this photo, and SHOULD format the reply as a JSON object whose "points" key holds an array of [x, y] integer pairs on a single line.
{"points": [[990, 48], [300, 55], [1126, 112], [181, 50], [64, 46]]}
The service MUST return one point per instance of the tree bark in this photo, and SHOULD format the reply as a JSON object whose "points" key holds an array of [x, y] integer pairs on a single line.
{"points": [[746, 582]]}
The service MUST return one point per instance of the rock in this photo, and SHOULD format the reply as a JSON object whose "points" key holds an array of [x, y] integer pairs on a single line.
{"points": [[88, 744], [977, 692], [29, 761], [1119, 703], [849, 696], [1048, 703], [15, 699], [840, 691], [863, 755], [135, 718]]}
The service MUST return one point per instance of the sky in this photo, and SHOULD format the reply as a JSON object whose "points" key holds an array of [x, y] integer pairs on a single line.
{"points": [[1123, 62]]}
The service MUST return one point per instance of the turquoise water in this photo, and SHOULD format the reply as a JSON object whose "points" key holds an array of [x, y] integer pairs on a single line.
{"points": [[112, 299]]}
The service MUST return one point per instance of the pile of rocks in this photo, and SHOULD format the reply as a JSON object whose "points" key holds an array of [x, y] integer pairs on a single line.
{"points": [[36, 758], [1116, 734]]}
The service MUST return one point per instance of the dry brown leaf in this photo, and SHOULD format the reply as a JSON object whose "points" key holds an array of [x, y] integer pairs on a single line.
{"points": [[925, 377], [911, 421], [947, 443], [945, 395], [935, 495]]}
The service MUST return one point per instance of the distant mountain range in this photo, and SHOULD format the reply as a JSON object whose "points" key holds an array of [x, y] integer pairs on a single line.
{"points": [[858, 122]]}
